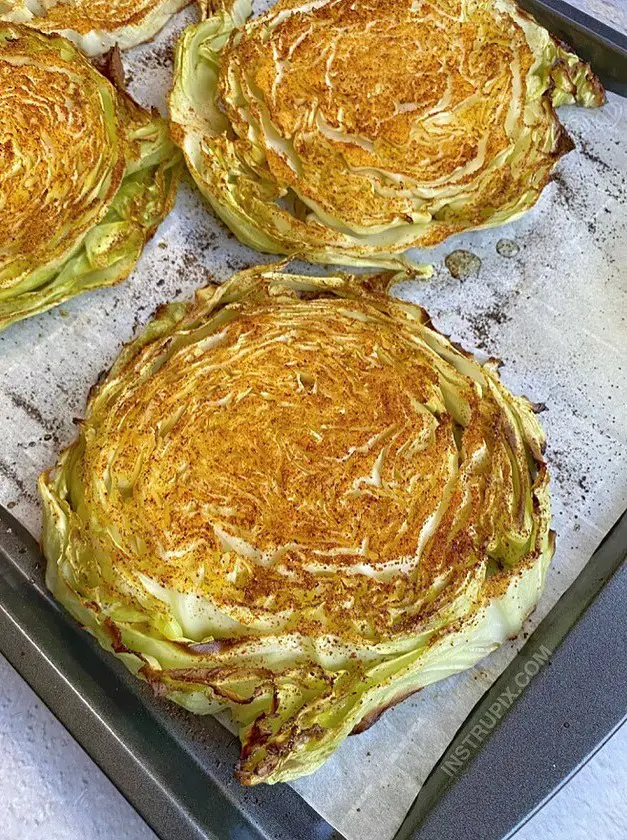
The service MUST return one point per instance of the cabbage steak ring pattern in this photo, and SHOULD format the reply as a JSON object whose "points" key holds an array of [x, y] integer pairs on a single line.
{"points": [[94, 25], [296, 500], [348, 131], [86, 175]]}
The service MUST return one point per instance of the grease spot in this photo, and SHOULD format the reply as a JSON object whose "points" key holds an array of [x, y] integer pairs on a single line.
{"points": [[462, 264], [507, 248]]}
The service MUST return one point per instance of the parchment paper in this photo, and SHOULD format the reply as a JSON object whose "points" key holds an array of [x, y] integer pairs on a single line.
{"points": [[555, 312]]}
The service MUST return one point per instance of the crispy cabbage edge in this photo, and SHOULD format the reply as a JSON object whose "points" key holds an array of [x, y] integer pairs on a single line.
{"points": [[291, 715], [107, 252]]}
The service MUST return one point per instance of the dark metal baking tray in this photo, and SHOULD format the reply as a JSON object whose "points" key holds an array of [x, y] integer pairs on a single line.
{"points": [[177, 769]]}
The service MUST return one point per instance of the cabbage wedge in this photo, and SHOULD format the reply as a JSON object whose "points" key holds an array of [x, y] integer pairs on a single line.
{"points": [[347, 132], [296, 500], [96, 26], [86, 174]]}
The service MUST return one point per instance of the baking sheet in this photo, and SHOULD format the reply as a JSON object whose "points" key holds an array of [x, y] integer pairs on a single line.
{"points": [[611, 12], [555, 312]]}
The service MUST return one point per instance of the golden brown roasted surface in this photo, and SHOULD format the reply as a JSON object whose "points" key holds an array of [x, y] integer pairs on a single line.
{"points": [[295, 499], [357, 129], [86, 174], [96, 25], [410, 90], [313, 435], [84, 15], [56, 116]]}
